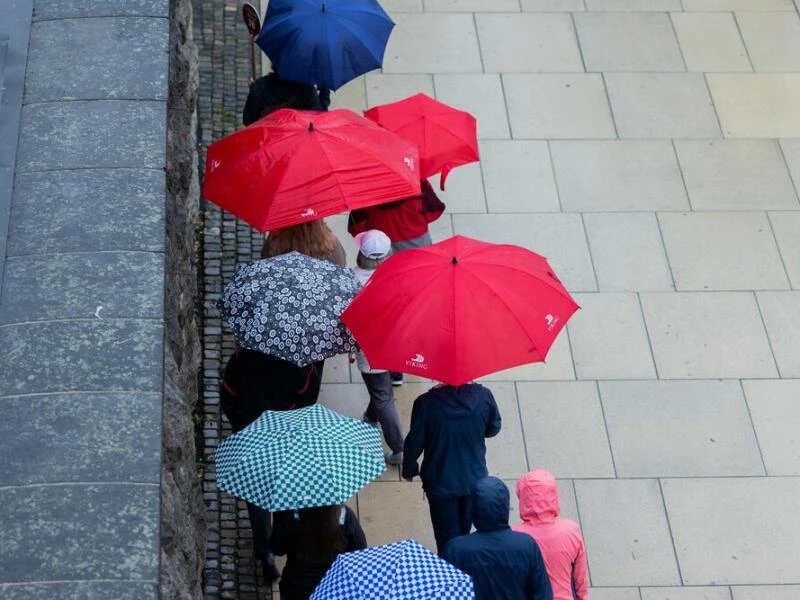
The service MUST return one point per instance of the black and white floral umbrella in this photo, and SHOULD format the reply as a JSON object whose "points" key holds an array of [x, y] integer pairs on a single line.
{"points": [[289, 306]]}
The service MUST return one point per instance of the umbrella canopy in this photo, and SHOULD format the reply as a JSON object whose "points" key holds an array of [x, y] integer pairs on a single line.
{"points": [[295, 166], [286, 460], [403, 570], [325, 42], [289, 306], [458, 310], [447, 137]]}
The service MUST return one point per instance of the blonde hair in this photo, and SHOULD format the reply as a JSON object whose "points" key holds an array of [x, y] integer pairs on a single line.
{"points": [[312, 238]]}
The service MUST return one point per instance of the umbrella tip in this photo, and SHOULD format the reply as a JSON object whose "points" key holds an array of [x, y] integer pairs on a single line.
{"points": [[455, 260], [323, 7], [311, 126]]}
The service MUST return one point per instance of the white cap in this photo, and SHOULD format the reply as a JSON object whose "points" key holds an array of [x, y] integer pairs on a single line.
{"points": [[373, 244]]}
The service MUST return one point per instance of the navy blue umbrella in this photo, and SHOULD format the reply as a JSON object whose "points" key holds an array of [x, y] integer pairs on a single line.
{"points": [[324, 42]]}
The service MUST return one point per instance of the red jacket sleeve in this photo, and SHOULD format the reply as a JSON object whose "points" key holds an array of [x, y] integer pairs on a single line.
{"points": [[580, 575]]}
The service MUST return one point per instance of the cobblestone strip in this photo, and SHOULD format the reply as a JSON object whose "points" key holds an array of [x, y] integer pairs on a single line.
{"points": [[223, 44]]}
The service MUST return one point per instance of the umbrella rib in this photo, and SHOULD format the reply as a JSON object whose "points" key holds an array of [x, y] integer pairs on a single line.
{"points": [[508, 309]]}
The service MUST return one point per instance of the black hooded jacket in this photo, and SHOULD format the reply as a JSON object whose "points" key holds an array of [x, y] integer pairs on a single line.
{"points": [[504, 564], [270, 93]]}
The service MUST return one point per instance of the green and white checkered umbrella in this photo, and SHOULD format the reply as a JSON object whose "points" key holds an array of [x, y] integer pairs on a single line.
{"points": [[292, 459]]}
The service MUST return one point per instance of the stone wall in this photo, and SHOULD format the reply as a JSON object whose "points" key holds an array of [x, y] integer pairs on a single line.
{"points": [[183, 533]]}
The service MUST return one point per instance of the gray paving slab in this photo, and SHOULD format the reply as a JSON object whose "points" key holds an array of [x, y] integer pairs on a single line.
{"points": [[503, 456], [680, 429], [628, 41], [551, 5], [384, 88], [123, 211], [471, 5], [79, 532], [662, 105], [106, 133], [81, 590], [772, 40], [56, 356], [756, 105], [707, 335], [89, 437], [776, 412], [618, 175], [107, 57], [560, 238], [726, 5], [558, 106], [70, 9], [518, 176], [749, 527], [765, 592], [629, 545], [615, 593], [528, 43], [687, 593], [608, 338], [564, 429], [785, 226], [781, 312], [433, 43], [634, 5], [82, 286], [735, 175], [722, 251], [710, 42], [480, 94], [791, 153], [627, 252]]}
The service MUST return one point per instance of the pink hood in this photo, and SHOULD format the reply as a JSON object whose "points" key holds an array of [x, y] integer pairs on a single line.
{"points": [[538, 497]]}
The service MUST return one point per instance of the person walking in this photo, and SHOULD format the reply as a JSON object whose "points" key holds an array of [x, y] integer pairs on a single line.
{"points": [[252, 383], [450, 425], [312, 238], [270, 93], [559, 540], [374, 247], [504, 564], [311, 539], [404, 221]]}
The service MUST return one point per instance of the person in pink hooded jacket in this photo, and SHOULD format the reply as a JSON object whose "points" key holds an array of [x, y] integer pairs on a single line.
{"points": [[559, 540]]}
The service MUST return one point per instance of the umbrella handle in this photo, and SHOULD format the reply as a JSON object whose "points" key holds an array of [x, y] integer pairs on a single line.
{"points": [[445, 172], [253, 58]]}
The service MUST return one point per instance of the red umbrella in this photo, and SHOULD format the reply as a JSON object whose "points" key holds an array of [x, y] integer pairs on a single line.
{"points": [[458, 310], [447, 137], [294, 166]]}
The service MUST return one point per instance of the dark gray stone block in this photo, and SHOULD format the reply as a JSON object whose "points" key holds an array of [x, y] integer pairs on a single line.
{"points": [[85, 134], [98, 355], [98, 285], [6, 183], [81, 437], [65, 9], [82, 590], [95, 209], [109, 57], [75, 531]]}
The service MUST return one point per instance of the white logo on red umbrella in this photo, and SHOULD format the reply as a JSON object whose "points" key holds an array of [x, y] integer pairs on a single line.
{"points": [[409, 162], [417, 361], [309, 212], [215, 163], [551, 321]]}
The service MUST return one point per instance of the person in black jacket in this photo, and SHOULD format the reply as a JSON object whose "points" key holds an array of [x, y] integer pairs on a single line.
{"points": [[449, 424], [254, 382], [504, 564], [270, 93], [311, 539]]}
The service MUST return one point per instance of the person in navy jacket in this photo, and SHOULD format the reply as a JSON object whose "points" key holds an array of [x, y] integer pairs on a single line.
{"points": [[450, 425], [504, 564]]}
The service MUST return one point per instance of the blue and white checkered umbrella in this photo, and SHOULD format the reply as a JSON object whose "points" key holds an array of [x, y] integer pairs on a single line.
{"points": [[292, 459], [402, 571], [289, 306]]}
